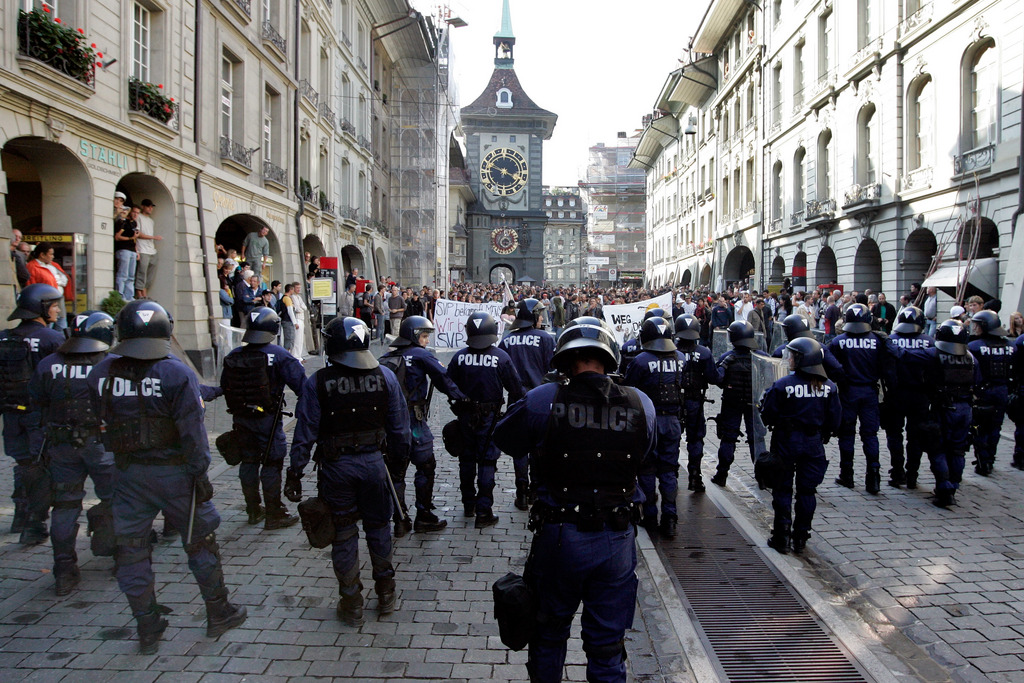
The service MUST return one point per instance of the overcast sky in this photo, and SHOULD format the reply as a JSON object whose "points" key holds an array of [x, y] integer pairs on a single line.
{"points": [[598, 64]]}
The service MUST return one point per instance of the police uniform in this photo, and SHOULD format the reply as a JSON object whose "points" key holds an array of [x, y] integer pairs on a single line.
{"points": [[737, 398], [254, 378], [802, 408], [349, 409], [589, 438], [481, 374], [21, 350], [531, 351], [153, 416], [995, 360], [866, 357], [699, 372], [60, 392], [422, 372], [1016, 407], [907, 402], [632, 347]]}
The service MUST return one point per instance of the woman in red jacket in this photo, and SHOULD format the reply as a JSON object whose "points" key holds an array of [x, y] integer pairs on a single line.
{"points": [[42, 268]]}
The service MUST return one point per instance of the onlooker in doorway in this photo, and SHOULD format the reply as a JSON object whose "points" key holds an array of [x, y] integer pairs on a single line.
{"points": [[885, 313], [119, 199], [146, 239], [931, 311], [255, 248], [43, 269], [289, 323], [245, 297], [18, 258], [346, 301], [352, 278], [125, 257], [300, 310]]}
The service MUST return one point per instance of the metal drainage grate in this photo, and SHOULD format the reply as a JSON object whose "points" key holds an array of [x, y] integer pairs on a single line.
{"points": [[752, 622]]}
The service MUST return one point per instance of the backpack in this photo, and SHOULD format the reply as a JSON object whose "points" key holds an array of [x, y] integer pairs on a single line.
{"points": [[246, 383], [15, 373], [395, 361], [279, 307]]}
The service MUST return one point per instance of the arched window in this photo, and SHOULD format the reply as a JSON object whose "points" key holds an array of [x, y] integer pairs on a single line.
{"points": [[777, 190], [865, 149], [981, 83], [504, 99], [799, 180], [823, 184], [921, 120]]}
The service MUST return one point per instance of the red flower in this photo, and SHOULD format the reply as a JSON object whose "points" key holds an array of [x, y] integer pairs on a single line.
{"points": [[57, 19], [160, 86], [172, 99], [46, 9], [93, 46], [99, 64], [167, 110], [99, 54], [60, 51], [80, 31], [141, 102]]}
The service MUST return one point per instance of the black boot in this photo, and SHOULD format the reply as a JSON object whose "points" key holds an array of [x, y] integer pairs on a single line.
{"points": [[696, 483], [485, 520], [427, 521], [385, 590], [720, 477], [943, 499], [800, 540], [402, 525], [278, 516], [1018, 459], [469, 509], [65, 577], [150, 627], [33, 533], [253, 507], [522, 499], [350, 609], [845, 477], [668, 525], [911, 480], [897, 478], [780, 539], [20, 517], [222, 616], [873, 480]]}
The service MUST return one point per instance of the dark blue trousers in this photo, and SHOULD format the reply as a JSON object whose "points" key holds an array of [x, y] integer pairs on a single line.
{"points": [[948, 459], [422, 457], [907, 407], [988, 420], [696, 429], [662, 468], [477, 465], [251, 473], [860, 402], [803, 462], [23, 439], [729, 433], [69, 466]]}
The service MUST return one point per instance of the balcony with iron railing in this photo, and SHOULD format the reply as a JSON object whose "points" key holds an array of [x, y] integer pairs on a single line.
{"points": [[916, 20], [864, 57], [821, 89], [325, 205], [775, 226], [796, 218], [364, 142], [55, 53], [274, 173], [309, 93], [347, 127], [346, 40], [270, 35], [327, 114], [975, 161], [349, 213], [243, 6], [381, 227], [145, 98], [235, 152], [918, 179], [798, 102], [818, 209], [776, 120], [858, 196]]}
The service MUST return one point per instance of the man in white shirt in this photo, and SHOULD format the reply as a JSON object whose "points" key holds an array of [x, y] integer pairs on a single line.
{"points": [[688, 306], [744, 307], [931, 310], [145, 246]]}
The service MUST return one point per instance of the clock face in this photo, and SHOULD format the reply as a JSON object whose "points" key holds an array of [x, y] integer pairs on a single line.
{"points": [[504, 240], [503, 171]]}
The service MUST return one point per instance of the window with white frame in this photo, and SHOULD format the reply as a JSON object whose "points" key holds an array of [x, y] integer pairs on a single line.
{"points": [[922, 119], [141, 35], [823, 186], [984, 84], [777, 190], [824, 43], [863, 23], [799, 180], [268, 126], [865, 147], [227, 96]]}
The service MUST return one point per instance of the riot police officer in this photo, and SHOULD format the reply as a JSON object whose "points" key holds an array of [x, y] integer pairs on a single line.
{"points": [[737, 397], [699, 371], [60, 392], [657, 372], [803, 409], [589, 437], [21, 349], [866, 357], [995, 359], [152, 413], [422, 373], [349, 409], [795, 326], [253, 379], [907, 401], [954, 375], [1015, 405], [531, 351], [632, 347], [481, 371]]}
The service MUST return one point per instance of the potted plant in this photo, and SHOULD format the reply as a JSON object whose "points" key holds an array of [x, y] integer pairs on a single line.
{"points": [[146, 98], [43, 37]]}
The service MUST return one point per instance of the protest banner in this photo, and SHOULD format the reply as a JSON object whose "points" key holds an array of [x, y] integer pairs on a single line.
{"points": [[625, 319], [450, 321]]}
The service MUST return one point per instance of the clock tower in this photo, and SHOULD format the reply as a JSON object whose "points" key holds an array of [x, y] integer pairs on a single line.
{"points": [[505, 133]]}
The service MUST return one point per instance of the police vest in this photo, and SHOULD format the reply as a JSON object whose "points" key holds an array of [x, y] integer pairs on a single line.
{"points": [[126, 432], [668, 373], [594, 446], [246, 383], [71, 418], [692, 376], [353, 410], [957, 377], [738, 384], [15, 373], [996, 360]]}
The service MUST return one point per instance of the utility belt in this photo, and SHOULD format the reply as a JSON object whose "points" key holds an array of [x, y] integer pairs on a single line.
{"points": [[674, 411], [337, 445], [475, 415], [420, 409], [123, 460], [586, 518], [141, 434], [806, 430], [75, 436]]}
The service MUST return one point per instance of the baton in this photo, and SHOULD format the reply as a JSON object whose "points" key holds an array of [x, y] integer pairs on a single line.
{"points": [[273, 430], [191, 515], [394, 496]]}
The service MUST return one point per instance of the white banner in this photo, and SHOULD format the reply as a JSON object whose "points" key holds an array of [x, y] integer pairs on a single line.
{"points": [[598, 238], [625, 319], [598, 260], [450, 321]]}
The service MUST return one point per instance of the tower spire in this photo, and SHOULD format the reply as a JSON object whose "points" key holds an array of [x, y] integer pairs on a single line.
{"points": [[504, 40]]}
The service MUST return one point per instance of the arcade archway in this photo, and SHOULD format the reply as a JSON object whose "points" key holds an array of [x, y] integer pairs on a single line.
{"points": [[502, 273], [826, 270], [867, 267], [231, 233], [705, 275], [918, 254], [351, 258], [800, 271], [739, 265], [139, 187], [687, 277], [778, 270]]}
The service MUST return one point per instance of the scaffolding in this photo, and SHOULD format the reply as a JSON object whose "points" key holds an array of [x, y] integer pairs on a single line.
{"points": [[616, 199]]}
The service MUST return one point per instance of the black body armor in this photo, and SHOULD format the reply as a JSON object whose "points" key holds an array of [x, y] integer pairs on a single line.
{"points": [[738, 383], [246, 383], [353, 410], [15, 373]]}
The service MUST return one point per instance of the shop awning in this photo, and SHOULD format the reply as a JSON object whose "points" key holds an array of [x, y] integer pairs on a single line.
{"points": [[982, 277]]}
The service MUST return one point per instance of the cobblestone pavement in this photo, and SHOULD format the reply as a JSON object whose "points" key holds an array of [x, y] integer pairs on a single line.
{"points": [[442, 629]]}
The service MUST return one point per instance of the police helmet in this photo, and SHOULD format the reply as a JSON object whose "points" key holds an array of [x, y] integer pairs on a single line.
{"points": [[988, 323], [952, 337], [741, 333], [656, 335], [348, 343], [526, 314], [411, 329], [795, 327], [857, 319], [909, 321], [92, 332], [656, 312], [144, 330], [263, 324], [687, 327], [481, 330], [586, 332], [35, 301], [808, 356]]}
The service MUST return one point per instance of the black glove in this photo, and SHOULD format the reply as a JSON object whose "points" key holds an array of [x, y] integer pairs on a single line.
{"points": [[204, 489], [293, 486]]}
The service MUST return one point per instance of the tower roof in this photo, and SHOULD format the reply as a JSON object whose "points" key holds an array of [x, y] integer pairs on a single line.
{"points": [[506, 23], [522, 105]]}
